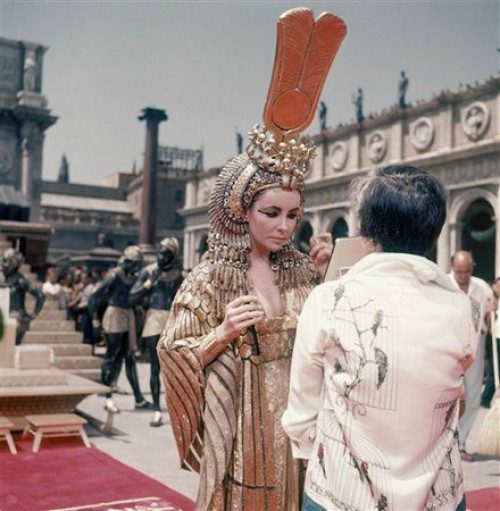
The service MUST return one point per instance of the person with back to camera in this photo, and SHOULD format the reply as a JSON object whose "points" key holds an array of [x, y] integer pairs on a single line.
{"points": [[379, 359]]}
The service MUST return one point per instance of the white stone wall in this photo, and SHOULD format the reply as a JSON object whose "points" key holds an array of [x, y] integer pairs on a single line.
{"points": [[455, 135]]}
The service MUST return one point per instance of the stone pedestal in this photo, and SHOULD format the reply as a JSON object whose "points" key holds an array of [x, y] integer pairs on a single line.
{"points": [[31, 99], [8, 343], [36, 391]]}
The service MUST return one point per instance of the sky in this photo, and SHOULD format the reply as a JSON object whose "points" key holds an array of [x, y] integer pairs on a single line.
{"points": [[208, 64]]}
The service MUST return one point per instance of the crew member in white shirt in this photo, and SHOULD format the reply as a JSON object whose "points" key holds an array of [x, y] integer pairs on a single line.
{"points": [[52, 290], [462, 267], [378, 361]]}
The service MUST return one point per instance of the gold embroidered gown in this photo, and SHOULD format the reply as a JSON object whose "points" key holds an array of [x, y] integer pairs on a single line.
{"points": [[226, 417]]}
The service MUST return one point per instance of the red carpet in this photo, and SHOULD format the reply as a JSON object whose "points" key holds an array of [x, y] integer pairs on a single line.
{"points": [[485, 499], [64, 475]]}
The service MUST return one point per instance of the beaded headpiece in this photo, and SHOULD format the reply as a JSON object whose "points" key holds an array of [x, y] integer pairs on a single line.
{"points": [[276, 155]]}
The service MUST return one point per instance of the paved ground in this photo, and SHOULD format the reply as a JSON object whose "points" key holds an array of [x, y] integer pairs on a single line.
{"points": [[153, 451]]}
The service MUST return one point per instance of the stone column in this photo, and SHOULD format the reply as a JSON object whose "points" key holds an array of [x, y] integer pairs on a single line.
{"points": [[453, 231], [31, 176], [397, 142], [147, 233], [315, 222], [443, 247], [190, 194], [352, 222], [188, 248], [355, 149], [447, 127]]}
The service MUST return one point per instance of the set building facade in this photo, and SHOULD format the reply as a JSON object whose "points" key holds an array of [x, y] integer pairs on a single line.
{"points": [[455, 136]]}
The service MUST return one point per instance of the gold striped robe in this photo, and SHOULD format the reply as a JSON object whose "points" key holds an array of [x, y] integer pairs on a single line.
{"points": [[226, 417]]}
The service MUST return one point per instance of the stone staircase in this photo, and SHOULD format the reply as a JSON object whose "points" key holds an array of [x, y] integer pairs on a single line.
{"points": [[51, 328]]}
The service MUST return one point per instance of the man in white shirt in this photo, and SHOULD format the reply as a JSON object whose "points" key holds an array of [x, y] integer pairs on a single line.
{"points": [[52, 290], [462, 266]]}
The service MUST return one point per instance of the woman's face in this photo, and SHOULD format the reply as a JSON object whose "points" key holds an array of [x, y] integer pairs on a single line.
{"points": [[273, 217]]}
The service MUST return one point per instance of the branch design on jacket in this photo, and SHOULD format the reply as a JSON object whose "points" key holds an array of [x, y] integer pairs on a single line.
{"points": [[361, 328], [448, 481], [442, 462], [365, 350], [356, 463]]}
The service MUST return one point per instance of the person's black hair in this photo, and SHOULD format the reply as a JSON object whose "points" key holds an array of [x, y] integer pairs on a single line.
{"points": [[402, 208]]}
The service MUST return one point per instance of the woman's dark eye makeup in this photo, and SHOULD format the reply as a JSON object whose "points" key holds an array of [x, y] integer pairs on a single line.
{"points": [[274, 212]]}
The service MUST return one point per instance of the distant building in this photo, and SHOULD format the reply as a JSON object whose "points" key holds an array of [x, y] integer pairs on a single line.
{"points": [[455, 136], [24, 118], [80, 213], [23, 121]]}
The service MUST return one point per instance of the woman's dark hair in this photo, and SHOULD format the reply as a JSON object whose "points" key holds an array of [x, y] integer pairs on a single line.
{"points": [[402, 208]]}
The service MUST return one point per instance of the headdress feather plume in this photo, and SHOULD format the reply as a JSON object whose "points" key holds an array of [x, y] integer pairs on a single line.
{"points": [[305, 50]]}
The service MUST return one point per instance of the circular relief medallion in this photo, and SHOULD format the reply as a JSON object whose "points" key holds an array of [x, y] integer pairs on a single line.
{"points": [[6, 162], [338, 156], [377, 146], [422, 134], [475, 120]]}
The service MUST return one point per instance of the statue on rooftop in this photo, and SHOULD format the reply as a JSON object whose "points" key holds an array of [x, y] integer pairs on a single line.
{"points": [[357, 101], [402, 89], [323, 111], [63, 176], [29, 81], [239, 142]]}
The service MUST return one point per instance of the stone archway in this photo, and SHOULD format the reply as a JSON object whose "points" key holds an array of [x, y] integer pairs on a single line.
{"points": [[303, 237], [202, 246], [477, 235], [339, 228], [471, 214]]}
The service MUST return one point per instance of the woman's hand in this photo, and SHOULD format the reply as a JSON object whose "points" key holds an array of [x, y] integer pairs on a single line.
{"points": [[240, 314], [321, 251]]}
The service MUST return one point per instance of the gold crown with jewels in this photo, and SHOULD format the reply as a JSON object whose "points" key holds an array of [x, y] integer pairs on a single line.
{"points": [[290, 158]]}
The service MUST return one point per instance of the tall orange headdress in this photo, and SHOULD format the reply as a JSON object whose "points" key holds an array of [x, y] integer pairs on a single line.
{"points": [[276, 156]]}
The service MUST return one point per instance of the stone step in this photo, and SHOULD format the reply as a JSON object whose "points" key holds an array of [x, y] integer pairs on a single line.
{"points": [[52, 315], [48, 325], [91, 374], [32, 277], [52, 337], [25, 268], [71, 350], [52, 305], [48, 305], [70, 363]]}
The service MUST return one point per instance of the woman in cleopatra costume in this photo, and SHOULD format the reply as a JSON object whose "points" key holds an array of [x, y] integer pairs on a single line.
{"points": [[225, 352]]}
